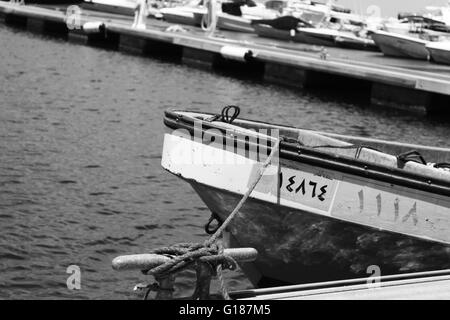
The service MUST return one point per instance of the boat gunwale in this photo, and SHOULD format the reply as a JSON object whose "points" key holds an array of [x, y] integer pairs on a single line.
{"points": [[302, 154], [401, 36]]}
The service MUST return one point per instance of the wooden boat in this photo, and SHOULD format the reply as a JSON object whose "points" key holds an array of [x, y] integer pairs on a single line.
{"points": [[328, 207], [401, 45], [439, 51]]}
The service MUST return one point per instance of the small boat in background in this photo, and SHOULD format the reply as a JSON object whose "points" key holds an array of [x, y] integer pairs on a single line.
{"points": [[336, 38], [300, 30], [189, 15], [325, 207], [282, 28], [238, 16], [124, 7], [401, 45], [439, 51]]}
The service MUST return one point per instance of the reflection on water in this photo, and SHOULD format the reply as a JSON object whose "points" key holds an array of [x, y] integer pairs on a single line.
{"points": [[80, 150]]}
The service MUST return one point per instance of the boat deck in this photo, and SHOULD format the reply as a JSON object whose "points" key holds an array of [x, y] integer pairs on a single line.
{"points": [[402, 83]]}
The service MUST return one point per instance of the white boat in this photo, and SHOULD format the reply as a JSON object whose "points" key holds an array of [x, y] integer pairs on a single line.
{"points": [[124, 7], [331, 37], [242, 22], [401, 45], [397, 26], [439, 51], [189, 15], [298, 30], [230, 22], [324, 207]]}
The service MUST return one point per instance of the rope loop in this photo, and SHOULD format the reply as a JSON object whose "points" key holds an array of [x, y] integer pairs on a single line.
{"points": [[224, 116], [226, 113], [413, 156], [211, 230]]}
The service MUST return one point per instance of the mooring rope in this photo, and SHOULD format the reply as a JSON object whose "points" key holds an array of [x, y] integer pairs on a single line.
{"points": [[228, 220], [211, 251]]}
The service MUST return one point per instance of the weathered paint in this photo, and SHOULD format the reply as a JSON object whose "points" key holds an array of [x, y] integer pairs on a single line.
{"points": [[309, 223]]}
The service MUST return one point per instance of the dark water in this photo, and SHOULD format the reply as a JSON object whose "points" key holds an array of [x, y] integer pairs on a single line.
{"points": [[80, 145]]}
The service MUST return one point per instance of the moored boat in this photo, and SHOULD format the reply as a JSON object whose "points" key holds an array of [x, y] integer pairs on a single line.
{"points": [[230, 22], [326, 209], [439, 51], [337, 38], [267, 31], [188, 15], [313, 36], [237, 17], [401, 45], [124, 7]]}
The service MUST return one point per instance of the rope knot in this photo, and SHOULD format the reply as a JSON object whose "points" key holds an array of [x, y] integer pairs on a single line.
{"points": [[184, 254]]}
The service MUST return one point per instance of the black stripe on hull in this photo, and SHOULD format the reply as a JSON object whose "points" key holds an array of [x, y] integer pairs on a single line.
{"points": [[302, 154]]}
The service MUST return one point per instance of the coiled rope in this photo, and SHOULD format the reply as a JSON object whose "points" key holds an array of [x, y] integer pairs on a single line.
{"points": [[209, 19], [211, 251]]}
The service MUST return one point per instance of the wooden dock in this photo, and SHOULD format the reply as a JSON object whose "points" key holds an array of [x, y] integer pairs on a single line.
{"points": [[401, 83], [418, 286]]}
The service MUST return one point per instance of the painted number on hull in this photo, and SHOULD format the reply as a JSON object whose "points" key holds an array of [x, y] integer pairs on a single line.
{"points": [[306, 188], [380, 205]]}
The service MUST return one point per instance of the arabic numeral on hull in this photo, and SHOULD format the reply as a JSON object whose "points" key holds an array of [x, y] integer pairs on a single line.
{"points": [[305, 187]]}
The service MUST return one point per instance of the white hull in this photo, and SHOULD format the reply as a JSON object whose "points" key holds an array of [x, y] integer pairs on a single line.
{"points": [[440, 52], [183, 15], [355, 199], [234, 23], [397, 45], [125, 7]]}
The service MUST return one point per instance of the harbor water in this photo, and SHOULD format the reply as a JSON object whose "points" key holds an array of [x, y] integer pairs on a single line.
{"points": [[81, 136]]}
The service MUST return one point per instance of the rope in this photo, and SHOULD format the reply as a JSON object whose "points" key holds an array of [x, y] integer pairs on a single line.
{"points": [[413, 156], [442, 165], [246, 195], [211, 251], [358, 148], [224, 116]]}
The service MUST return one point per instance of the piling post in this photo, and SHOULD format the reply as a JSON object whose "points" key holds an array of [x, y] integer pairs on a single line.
{"points": [[166, 287]]}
